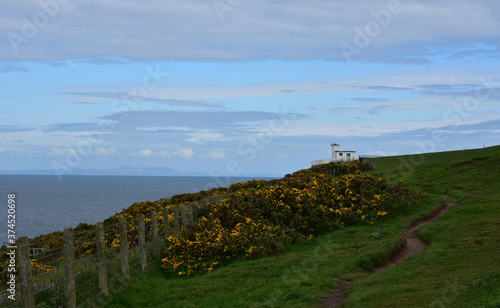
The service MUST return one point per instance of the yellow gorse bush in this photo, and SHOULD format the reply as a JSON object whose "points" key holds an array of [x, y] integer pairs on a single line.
{"points": [[259, 217]]}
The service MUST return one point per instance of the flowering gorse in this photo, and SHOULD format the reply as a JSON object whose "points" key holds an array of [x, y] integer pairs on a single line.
{"points": [[260, 218]]}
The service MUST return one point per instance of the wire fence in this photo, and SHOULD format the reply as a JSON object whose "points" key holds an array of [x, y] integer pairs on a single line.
{"points": [[79, 268]]}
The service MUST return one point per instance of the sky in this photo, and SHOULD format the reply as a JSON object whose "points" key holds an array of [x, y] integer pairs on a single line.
{"points": [[238, 87]]}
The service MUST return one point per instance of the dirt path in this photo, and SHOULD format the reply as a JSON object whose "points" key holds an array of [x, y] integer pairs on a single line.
{"points": [[413, 246]]}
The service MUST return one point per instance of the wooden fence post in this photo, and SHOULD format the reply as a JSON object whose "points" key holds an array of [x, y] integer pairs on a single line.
{"points": [[69, 258], [154, 222], [166, 226], [27, 299], [124, 247], [142, 243], [176, 220], [101, 258], [190, 213], [183, 215]]}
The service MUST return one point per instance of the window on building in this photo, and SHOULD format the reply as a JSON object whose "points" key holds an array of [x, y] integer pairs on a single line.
{"points": [[340, 154]]}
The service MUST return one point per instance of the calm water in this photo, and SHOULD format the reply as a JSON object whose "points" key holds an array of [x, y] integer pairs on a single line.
{"points": [[44, 204]]}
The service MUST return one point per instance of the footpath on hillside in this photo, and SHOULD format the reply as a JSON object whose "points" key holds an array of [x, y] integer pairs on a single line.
{"points": [[412, 246]]}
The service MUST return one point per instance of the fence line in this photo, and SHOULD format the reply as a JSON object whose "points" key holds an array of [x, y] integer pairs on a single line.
{"points": [[25, 274], [124, 248], [69, 271], [80, 268]]}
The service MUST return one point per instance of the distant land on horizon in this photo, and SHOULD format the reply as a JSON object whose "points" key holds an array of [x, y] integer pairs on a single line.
{"points": [[130, 171]]}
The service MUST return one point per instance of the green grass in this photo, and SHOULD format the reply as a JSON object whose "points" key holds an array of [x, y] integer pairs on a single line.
{"points": [[459, 268], [293, 277]]}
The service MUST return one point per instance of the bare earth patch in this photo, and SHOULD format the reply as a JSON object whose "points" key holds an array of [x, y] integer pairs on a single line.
{"points": [[413, 246], [470, 162]]}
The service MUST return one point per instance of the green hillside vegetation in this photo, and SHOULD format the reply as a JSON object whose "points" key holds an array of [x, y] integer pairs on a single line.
{"points": [[459, 268]]}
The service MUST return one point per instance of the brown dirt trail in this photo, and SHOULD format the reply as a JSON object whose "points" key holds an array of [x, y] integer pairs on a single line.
{"points": [[412, 246]]}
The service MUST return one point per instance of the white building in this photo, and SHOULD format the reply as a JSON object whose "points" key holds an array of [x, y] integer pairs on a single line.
{"points": [[337, 156]]}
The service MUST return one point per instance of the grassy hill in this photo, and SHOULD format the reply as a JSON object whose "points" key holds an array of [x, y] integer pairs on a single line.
{"points": [[459, 267]]}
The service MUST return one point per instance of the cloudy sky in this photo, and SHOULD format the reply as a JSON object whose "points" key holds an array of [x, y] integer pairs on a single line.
{"points": [[240, 86]]}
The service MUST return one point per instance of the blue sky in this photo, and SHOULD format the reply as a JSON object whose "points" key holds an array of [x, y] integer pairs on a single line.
{"points": [[243, 87]]}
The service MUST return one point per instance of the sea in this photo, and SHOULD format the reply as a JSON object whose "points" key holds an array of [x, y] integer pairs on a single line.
{"points": [[45, 204]]}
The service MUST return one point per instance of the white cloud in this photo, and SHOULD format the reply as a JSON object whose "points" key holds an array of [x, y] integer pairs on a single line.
{"points": [[181, 153], [184, 153], [104, 151], [218, 91], [164, 154], [192, 30], [61, 151], [204, 135], [216, 155], [143, 153], [203, 120]]}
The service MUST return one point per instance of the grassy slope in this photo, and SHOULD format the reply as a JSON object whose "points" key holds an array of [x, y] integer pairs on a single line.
{"points": [[461, 265], [459, 268]]}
